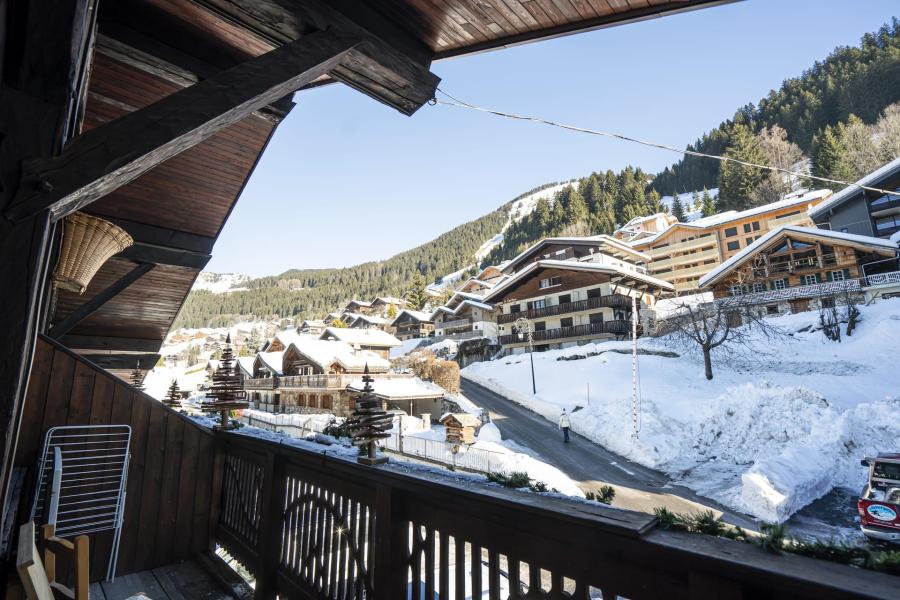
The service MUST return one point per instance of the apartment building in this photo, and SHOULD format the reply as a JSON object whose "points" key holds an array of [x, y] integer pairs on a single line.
{"points": [[682, 253], [864, 212], [572, 291]]}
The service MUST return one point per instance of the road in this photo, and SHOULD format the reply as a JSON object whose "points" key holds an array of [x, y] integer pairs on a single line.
{"points": [[591, 465], [641, 488]]}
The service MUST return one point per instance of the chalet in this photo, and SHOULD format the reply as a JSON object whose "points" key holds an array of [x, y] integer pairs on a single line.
{"points": [[460, 428], [378, 341], [282, 340], [311, 326], [387, 306], [683, 252], [359, 306], [584, 295], [267, 364], [151, 115], [643, 227], [798, 268], [465, 316], [411, 324], [331, 317], [864, 212], [245, 366], [410, 395], [369, 322]]}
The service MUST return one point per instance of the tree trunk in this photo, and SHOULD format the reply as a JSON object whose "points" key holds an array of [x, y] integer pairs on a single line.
{"points": [[707, 362]]}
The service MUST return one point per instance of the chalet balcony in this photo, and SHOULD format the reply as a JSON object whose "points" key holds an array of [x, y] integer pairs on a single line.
{"points": [[455, 324], [818, 290], [609, 301], [619, 327], [463, 335], [313, 381], [260, 383], [797, 266]]}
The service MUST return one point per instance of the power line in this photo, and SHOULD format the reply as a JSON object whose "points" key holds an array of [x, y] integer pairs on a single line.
{"points": [[618, 136]]}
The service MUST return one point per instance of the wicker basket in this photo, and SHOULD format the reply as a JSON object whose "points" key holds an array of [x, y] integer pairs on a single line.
{"points": [[87, 243]]}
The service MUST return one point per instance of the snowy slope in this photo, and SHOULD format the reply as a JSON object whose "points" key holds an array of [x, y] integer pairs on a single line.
{"points": [[770, 434], [687, 201], [218, 283]]}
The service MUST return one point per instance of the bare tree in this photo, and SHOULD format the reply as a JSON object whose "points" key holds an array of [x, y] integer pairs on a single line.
{"points": [[782, 153], [728, 324]]}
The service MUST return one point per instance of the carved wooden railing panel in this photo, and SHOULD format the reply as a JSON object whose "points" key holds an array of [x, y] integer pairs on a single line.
{"points": [[310, 526]]}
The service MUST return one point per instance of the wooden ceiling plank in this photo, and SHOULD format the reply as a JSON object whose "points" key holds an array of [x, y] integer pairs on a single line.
{"points": [[584, 9], [107, 157], [110, 343], [94, 304], [124, 361], [522, 13]]}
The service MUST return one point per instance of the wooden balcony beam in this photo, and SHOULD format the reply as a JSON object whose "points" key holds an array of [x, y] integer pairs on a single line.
{"points": [[109, 343], [95, 303], [123, 361], [109, 156]]}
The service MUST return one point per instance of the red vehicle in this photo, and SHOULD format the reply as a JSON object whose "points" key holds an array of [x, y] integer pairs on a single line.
{"points": [[879, 502]]}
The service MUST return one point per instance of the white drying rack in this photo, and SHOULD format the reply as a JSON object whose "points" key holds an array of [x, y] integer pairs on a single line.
{"points": [[82, 474]]}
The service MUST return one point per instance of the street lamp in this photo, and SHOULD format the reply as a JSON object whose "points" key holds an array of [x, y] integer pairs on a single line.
{"points": [[523, 329]]}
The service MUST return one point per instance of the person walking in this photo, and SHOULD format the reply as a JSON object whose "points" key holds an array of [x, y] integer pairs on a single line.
{"points": [[564, 425]]}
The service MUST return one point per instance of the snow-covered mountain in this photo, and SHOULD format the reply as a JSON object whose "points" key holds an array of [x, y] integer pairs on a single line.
{"points": [[218, 283]]}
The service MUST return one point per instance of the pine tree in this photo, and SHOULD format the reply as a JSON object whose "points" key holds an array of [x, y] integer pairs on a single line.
{"points": [[577, 208], [173, 396], [137, 378], [227, 391], [654, 203], [416, 298], [737, 182], [696, 203], [707, 205], [678, 208], [829, 158], [392, 312]]}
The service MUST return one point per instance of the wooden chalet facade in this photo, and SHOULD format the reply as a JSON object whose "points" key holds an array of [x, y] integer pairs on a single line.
{"points": [[465, 316], [153, 114], [411, 324], [572, 291], [795, 269]]}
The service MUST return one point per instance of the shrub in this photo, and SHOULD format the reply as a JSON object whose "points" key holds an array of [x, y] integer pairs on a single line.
{"points": [[445, 373], [337, 430]]}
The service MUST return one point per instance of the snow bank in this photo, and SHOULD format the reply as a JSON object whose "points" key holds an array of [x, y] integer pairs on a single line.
{"points": [[768, 435]]}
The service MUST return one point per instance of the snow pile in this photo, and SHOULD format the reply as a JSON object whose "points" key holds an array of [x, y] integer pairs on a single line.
{"points": [[767, 436], [489, 433]]}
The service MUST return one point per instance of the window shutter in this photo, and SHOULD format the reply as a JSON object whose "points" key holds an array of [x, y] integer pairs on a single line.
{"points": [[830, 276]]}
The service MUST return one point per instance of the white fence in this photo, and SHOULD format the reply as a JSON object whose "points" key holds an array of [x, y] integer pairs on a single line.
{"points": [[456, 456]]}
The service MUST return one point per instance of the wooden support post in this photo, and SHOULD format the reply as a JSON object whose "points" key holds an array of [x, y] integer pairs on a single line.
{"points": [[390, 552], [44, 61], [269, 544], [107, 157], [94, 304]]}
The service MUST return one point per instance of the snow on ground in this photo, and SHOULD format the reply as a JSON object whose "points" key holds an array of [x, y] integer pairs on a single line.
{"points": [[407, 346], [687, 201], [769, 434], [158, 380], [218, 283]]}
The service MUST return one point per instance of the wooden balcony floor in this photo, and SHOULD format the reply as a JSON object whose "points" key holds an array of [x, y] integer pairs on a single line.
{"points": [[182, 581]]}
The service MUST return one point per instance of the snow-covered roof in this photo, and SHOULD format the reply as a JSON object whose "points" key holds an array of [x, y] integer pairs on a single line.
{"points": [[418, 315], [599, 240], [245, 364], [312, 323], [359, 303], [271, 360], [361, 337], [287, 336], [388, 300], [571, 265], [809, 232], [464, 419], [400, 388], [371, 319], [852, 190], [734, 215], [328, 352]]}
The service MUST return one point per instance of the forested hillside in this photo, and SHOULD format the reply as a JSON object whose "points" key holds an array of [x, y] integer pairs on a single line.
{"points": [[841, 117], [860, 81], [315, 292]]}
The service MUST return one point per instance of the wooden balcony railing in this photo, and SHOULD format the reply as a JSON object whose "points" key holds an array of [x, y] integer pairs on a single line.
{"points": [[259, 383], [456, 323], [610, 301], [312, 381], [613, 327], [311, 526]]}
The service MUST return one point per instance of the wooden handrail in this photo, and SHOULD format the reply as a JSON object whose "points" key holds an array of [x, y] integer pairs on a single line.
{"points": [[310, 525]]}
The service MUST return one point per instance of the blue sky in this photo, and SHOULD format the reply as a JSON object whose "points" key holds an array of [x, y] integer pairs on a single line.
{"points": [[346, 179]]}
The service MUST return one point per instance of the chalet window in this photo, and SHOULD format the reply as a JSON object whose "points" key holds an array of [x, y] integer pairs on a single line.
{"points": [[883, 201], [734, 245], [596, 318], [565, 298], [537, 304], [595, 292], [887, 223], [550, 282], [837, 276], [737, 290], [731, 232], [326, 401], [748, 241], [565, 322], [779, 284], [747, 228], [513, 309], [772, 309], [759, 287], [540, 326], [810, 280]]}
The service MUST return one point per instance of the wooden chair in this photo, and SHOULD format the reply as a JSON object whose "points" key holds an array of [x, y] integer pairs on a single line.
{"points": [[39, 576]]}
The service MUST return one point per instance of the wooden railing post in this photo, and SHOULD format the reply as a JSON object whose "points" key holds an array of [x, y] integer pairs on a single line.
{"points": [[390, 553], [268, 544]]}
